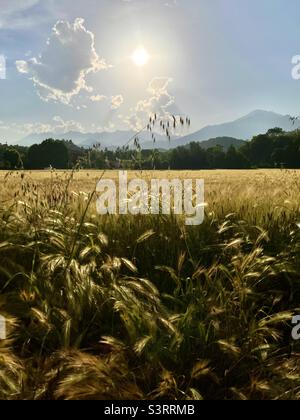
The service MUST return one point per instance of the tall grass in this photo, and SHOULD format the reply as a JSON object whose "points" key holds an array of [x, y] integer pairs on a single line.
{"points": [[142, 307]]}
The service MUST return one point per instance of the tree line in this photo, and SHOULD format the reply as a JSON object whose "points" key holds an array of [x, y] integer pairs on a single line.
{"points": [[274, 149]]}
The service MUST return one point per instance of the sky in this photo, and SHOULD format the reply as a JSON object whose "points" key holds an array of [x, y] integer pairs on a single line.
{"points": [[106, 65]]}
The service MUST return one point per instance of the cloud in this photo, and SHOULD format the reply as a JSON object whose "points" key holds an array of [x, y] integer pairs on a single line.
{"points": [[12, 12], [116, 101], [60, 72], [3, 126], [97, 98], [160, 99], [171, 4], [13, 6], [160, 102], [159, 85], [62, 126], [57, 126]]}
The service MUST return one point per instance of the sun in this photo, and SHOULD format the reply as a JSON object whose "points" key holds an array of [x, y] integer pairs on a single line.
{"points": [[140, 57]]}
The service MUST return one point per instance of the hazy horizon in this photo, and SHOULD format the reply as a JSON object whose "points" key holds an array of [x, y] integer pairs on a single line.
{"points": [[104, 65]]}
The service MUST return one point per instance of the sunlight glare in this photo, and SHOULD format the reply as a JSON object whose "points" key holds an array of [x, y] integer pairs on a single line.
{"points": [[140, 56]]}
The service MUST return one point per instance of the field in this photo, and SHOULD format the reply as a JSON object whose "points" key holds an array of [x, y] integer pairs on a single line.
{"points": [[144, 307]]}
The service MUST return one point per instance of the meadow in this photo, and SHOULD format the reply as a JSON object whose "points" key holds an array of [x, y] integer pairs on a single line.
{"points": [[144, 307]]}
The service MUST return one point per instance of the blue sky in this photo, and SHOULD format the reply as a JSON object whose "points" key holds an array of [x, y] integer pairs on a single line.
{"points": [[70, 67]]}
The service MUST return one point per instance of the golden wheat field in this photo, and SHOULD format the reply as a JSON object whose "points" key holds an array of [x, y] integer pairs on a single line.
{"points": [[256, 191], [144, 307]]}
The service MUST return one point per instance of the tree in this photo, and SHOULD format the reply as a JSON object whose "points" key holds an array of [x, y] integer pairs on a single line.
{"points": [[275, 131], [260, 150], [51, 152], [235, 159], [216, 157], [12, 158]]}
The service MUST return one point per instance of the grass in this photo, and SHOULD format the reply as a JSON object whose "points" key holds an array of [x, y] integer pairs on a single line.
{"points": [[135, 307]]}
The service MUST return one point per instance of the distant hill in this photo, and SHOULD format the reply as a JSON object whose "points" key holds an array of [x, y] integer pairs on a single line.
{"points": [[110, 140], [257, 122], [224, 142], [77, 138]]}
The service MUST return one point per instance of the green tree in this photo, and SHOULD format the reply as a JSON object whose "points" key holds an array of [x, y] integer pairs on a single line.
{"points": [[12, 158], [51, 152], [235, 159]]}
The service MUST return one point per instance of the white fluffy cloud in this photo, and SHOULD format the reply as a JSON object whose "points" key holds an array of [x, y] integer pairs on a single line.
{"points": [[116, 101], [57, 126], [160, 98], [97, 98], [159, 85], [160, 101], [59, 73]]}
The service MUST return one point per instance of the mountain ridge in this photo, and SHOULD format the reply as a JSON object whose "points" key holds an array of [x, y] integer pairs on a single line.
{"points": [[243, 128]]}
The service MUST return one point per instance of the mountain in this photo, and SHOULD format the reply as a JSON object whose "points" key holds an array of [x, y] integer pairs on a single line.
{"points": [[111, 140], [244, 128], [76, 137], [257, 122], [224, 142]]}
